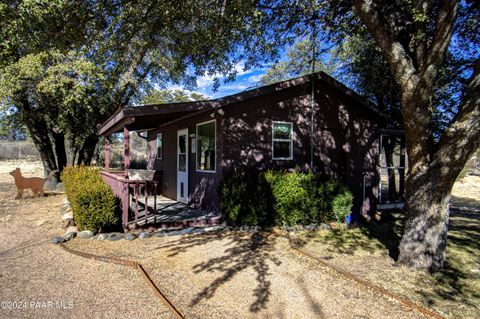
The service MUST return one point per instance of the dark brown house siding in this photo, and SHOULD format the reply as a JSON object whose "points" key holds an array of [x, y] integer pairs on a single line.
{"points": [[345, 144], [202, 186]]}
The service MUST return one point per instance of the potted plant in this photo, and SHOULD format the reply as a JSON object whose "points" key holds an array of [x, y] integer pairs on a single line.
{"points": [[342, 205]]}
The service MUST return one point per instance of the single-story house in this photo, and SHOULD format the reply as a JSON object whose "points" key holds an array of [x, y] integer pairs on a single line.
{"points": [[310, 123]]}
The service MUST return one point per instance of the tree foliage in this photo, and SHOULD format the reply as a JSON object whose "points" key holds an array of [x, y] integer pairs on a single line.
{"points": [[171, 96], [302, 58], [65, 66]]}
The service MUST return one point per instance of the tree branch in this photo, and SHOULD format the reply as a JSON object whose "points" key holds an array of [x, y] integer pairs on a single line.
{"points": [[419, 15], [446, 16], [400, 62], [462, 137]]}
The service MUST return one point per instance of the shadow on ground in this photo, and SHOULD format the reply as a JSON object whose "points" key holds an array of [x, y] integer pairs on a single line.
{"points": [[454, 290], [369, 238], [245, 251], [13, 252], [459, 280]]}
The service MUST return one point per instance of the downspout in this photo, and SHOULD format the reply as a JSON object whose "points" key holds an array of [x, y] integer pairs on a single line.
{"points": [[312, 106], [312, 124]]}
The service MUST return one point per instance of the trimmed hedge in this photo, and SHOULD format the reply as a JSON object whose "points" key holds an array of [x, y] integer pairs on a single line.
{"points": [[281, 198], [93, 203], [246, 199]]}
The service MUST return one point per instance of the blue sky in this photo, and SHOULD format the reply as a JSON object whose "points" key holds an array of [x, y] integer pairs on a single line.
{"points": [[244, 81]]}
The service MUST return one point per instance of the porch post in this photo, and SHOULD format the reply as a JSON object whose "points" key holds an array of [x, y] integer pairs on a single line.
{"points": [[107, 154], [126, 154]]}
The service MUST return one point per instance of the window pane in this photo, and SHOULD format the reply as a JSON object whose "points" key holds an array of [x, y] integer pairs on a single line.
{"points": [[282, 130], [182, 144], [206, 146], [281, 149], [182, 162]]}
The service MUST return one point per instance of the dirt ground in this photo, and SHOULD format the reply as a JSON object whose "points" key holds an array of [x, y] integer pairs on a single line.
{"points": [[231, 275], [370, 254], [214, 275], [34, 272]]}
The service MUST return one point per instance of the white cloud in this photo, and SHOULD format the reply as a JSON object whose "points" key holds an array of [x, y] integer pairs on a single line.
{"points": [[205, 81], [255, 78], [240, 69], [234, 87]]}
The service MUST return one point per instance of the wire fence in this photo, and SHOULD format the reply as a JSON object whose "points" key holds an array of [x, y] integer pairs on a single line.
{"points": [[18, 151]]}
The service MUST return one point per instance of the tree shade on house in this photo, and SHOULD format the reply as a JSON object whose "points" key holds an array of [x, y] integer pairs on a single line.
{"points": [[192, 144]]}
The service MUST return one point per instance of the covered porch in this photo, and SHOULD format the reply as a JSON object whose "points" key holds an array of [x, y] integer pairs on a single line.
{"points": [[140, 191]]}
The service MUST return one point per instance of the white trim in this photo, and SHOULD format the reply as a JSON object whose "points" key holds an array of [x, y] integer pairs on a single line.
{"points": [[161, 155], [186, 193], [196, 148], [283, 140]]}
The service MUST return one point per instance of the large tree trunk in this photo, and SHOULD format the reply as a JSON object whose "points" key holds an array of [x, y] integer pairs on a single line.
{"points": [[414, 62], [59, 141], [424, 240], [71, 150], [38, 129], [432, 171], [86, 153]]}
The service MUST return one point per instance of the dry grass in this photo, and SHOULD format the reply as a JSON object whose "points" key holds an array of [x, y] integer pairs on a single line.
{"points": [[370, 254], [18, 150]]}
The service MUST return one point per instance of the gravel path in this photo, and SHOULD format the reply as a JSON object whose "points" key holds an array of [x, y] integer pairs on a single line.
{"points": [[231, 275], [34, 272], [245, 275]]}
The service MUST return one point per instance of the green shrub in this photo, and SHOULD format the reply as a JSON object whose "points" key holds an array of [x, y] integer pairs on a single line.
{"points": [[291, 194], [342, 205], [278, 198], [303, 198], [93, 203], [245, 198]]}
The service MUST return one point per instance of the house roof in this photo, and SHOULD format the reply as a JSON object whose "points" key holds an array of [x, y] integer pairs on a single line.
{"points": [[153, 115]]}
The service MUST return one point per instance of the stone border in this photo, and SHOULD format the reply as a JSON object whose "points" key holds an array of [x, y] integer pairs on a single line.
{"points": [[71, 231]]}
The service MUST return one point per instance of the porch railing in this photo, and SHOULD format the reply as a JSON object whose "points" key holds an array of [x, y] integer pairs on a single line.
{"points": [[129, 191]]}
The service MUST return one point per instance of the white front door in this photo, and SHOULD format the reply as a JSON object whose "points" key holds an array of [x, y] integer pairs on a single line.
{"points": [[182, 166]]}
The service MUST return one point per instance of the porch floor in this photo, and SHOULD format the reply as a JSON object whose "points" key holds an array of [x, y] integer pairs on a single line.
{"points": [[170, 213]]}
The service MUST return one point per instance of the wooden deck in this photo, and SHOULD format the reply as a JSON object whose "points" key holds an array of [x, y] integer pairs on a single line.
{"points": [[159, 210], [169, 213]]}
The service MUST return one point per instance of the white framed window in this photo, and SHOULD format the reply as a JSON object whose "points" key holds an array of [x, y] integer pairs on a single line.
{"points": [[159, 146], [206, 140], [282, 140]]}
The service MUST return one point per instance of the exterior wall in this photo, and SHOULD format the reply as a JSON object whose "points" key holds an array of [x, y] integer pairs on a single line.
{"points": [[352, 145], [202, 186], [346, 142]]}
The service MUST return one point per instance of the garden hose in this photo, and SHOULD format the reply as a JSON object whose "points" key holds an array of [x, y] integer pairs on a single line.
{"points": [[132, 264]]}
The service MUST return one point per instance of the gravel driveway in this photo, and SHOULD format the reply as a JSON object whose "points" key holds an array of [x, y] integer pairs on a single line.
{"points": [[46, 282], [245, 275], [225, 275]]}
